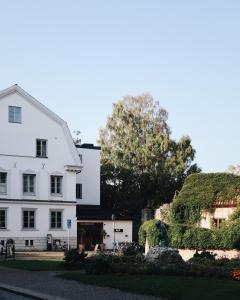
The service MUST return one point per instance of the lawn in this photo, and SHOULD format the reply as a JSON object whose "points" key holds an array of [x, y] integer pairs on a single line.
{"points": [[33, 265], [169, 287]]}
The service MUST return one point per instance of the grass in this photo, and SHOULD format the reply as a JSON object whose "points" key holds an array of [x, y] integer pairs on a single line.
{"points": [[33, 265], [169, 287]]}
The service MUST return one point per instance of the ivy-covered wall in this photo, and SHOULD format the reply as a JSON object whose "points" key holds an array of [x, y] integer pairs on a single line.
{"points": [[200, 193]]}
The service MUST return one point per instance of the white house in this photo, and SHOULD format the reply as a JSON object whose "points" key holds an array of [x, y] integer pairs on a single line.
{"points": [[38, 167], [94, 220], [46, 182]]}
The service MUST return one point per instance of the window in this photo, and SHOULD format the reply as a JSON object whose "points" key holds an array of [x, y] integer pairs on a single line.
{"points": [[29, 183], [28, 243], [28, 219], [41, 148], [3, 218], [14, 114], [3, 183], [56, 219], [218, 222], [79, 191], [56, 185], [81, 158]]}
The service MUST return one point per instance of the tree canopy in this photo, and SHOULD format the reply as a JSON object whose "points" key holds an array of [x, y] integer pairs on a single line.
{"points": [[142, 166]]}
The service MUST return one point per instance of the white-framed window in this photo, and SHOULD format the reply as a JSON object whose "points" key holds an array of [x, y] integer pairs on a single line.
{"points": [[55, 219], [28, 243], [78, 191], [29, 184], [56, 185], [41, 148], [28, 216], [3, 218], [14, 114], [3, 183]]}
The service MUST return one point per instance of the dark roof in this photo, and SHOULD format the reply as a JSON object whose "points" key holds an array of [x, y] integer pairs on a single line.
{"points": [[96, 212], [89, 146]]}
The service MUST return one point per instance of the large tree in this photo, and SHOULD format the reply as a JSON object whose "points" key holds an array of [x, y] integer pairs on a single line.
{"points": [[141, 165]]}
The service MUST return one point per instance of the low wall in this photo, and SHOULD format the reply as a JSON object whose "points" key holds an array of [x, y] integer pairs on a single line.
{"points": [[187, 254]]}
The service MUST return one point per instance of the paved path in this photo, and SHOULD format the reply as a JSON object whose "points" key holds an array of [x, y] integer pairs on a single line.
{"points": [[46, 282], [10, 296]]}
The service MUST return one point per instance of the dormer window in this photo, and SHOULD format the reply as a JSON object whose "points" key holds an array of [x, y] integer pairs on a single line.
{"points": [[14, 114], [41, 148]]}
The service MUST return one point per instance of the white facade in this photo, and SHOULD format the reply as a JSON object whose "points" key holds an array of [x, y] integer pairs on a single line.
{"points": [[124, 226], [89, 178], [43, 193]]}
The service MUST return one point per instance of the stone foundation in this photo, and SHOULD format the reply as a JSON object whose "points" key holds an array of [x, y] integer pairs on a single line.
{"points": [[187, 254], [39, 243]]}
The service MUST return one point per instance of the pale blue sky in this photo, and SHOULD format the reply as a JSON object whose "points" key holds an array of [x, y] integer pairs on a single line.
{"points": [[78, 57]]}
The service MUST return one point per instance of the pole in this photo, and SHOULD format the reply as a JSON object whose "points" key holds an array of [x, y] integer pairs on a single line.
{"points": [[68, 239], [114, 241]]}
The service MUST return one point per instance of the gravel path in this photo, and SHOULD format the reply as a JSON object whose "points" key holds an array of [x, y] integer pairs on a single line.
{"points": [[46, 282]]}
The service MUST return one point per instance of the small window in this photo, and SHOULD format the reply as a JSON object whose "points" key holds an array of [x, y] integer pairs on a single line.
{"points": [[29, 181], [26, 243], [218, 222], [3, 183], [81, 158], [79, 191], [28, 219], [14, 114], [56, 219], [3, 218], [31, 243], [41, 148], [56, 185]]}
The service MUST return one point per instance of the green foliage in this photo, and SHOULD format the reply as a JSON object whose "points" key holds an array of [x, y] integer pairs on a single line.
{"points": [[141, 165], [199, 194], [73, 259], [235, 215], [150, 231]]}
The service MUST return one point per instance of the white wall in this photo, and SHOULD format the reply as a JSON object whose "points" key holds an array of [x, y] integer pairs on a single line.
{"points": [[125, 236], [18, 156], [18, 150], [219, 213], [90, 176]]}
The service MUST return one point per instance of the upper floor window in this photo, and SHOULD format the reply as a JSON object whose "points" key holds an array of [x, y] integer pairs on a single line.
{"points": [[3, 183], [3, 218], [29, 182], [56, 185], [15, 114], [28, 219], [79, 191], [41, 148]]}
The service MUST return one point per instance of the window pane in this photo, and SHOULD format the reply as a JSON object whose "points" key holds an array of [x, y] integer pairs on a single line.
{"points": [[14, 114], [3, 183], [59, 219], [53, 219], [2, 218]]}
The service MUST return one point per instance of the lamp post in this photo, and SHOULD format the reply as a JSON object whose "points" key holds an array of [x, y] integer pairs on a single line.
{"points": [[114, 242]]}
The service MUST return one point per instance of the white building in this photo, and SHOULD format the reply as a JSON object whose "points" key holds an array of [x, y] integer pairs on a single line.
{"points": [[95, 221], [38, 167], [44, 176]]}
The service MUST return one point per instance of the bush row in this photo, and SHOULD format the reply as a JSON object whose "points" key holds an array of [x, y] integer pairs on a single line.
{"points": [[225, 238]]}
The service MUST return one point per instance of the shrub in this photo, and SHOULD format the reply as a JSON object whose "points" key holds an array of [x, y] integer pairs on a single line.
{"points": [[74, 259], [130, 248], [98, 264]]}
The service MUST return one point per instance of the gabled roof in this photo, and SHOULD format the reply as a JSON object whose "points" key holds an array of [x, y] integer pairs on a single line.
{"points": [[16, 89]]}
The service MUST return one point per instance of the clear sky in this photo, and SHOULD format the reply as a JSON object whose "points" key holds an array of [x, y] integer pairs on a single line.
{"points": [[78, 57]]}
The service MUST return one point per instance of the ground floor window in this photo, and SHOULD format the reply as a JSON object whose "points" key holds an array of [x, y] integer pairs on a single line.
{"points": [[56, 219], [218, 222], [28, 219], [3, 218], [29, 243]]}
